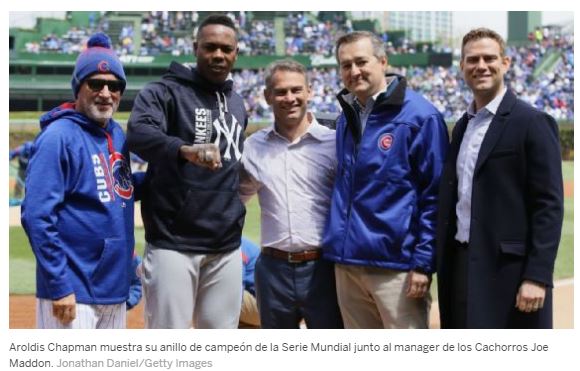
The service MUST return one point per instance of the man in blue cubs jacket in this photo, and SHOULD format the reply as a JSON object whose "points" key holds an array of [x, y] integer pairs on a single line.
{"points": [[78, 209], [391, 144]]}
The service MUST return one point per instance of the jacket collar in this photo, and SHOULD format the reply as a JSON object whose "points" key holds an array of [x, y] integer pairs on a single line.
{"points": [[491, 107], [496, 127], [394, 98]]}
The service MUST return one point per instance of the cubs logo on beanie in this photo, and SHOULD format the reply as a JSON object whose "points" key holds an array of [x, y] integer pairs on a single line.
{"points": [[98, 57]]}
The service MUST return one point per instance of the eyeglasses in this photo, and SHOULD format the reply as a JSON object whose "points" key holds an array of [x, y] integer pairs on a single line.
{"points": [[96, 85]]}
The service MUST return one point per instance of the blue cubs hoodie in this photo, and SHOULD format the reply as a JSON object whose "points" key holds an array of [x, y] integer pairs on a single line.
{"points": [[78, 209]]}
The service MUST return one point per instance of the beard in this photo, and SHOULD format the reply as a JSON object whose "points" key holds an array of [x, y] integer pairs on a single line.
{"points": [[100, 115]]}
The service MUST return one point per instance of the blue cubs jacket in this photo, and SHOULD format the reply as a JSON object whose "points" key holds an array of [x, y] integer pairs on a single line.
{"points": [[78, 209], [384, 201]]}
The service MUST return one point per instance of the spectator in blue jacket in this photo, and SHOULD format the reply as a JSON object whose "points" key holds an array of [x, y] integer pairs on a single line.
{"points": [[23, 153], [249, 315], [136, 288], [391, 144]]}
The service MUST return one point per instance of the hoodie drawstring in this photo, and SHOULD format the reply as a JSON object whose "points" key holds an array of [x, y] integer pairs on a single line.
{"points": [[222, 105]]}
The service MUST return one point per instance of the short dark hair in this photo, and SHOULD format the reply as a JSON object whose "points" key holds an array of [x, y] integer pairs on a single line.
{"points": [[288, 65], [483, 33], [220, 19], [379, 49]]}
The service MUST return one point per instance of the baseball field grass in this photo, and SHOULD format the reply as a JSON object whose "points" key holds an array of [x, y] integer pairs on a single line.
{"points": [[22, 264]]}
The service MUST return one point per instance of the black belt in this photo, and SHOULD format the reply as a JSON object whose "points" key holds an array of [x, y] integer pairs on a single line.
{"points": [[293, 257]]}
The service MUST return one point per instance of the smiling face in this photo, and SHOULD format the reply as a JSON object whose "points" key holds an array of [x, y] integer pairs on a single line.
{"points": [[484, 67], [362, 73], [288, 94], [100, 105], [216, 51]]}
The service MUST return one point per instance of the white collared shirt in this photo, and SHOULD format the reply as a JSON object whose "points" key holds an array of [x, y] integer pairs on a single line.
{"points": [[467, 158], [294, 184]]}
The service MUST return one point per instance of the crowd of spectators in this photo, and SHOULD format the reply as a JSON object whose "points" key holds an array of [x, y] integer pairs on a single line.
{"points": [[165, 32], [257, 37], [172, 32], [71, 42], [398, 43], [552, 92], [168, 32], [308, 35]]}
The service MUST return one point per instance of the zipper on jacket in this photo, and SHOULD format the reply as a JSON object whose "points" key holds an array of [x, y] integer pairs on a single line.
{"points": [[356, 147], [350, 111], [352, 168]]}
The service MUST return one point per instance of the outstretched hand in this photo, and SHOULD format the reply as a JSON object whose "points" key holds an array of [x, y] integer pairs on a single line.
{"points": [[205, 155]]}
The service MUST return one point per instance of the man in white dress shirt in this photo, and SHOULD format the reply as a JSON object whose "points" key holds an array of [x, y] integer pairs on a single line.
{"points": [[291, 166]]}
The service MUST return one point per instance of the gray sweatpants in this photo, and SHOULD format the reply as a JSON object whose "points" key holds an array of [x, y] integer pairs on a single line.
{"points": [[184, 290]]}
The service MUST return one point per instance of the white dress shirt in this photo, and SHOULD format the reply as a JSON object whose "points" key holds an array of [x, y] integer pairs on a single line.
{"points": [[467, 158], [294, 184]]}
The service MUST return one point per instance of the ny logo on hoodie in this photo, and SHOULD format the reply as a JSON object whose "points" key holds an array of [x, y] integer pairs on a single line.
{"points": [[203, 132], [232, 134]]}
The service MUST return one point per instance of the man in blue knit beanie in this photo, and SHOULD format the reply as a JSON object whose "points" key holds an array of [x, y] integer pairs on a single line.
{"points": [[78, 208], [98, 57]]}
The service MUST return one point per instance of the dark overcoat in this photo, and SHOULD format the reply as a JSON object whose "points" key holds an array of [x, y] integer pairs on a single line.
{"points": [[516, 218]]}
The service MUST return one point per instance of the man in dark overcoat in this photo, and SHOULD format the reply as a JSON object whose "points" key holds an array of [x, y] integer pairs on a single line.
{"points": [[500, 203]]}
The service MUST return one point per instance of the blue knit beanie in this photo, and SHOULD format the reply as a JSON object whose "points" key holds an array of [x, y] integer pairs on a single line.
{"points": [[98, 57]]}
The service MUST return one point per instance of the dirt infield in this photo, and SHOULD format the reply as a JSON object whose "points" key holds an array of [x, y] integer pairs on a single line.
{"points": [[22, 310], [569, 188]]}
